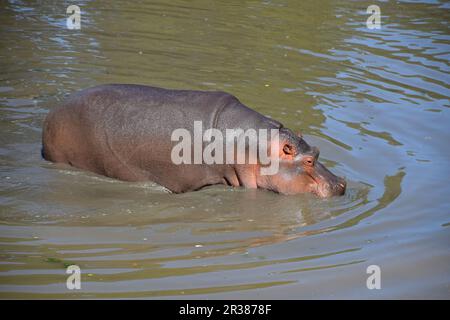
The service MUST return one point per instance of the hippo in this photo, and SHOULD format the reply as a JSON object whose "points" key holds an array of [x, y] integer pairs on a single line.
{"points": [[124, 131]]}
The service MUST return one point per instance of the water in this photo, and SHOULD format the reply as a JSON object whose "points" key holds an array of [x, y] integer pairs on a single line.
{"points": [[376, 102]]}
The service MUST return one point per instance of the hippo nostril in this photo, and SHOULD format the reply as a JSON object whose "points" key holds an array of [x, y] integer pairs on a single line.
{"points": [[342, 185]]}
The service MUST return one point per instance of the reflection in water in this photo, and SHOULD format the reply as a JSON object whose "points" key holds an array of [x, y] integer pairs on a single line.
{"points": [[374, 101], [391, 192], [230, 235]]}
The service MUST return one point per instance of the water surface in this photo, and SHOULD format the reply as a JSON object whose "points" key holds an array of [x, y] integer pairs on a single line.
{"points": [[376, 102]]}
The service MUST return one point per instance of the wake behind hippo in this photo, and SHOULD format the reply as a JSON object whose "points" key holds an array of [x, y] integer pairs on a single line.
{"points": [[142, 133]]}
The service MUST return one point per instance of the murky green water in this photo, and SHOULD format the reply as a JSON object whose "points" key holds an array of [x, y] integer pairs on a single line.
{"points": [[376, 102]]}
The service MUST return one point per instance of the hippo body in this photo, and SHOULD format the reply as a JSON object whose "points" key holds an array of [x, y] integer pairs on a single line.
{"points": [[124, 132]]}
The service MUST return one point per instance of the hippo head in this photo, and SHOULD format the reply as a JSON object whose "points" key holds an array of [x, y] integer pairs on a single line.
{"points": [[299, 169]]}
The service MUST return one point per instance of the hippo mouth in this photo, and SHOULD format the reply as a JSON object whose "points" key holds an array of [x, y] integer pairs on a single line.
{"points": [[326, 183]]}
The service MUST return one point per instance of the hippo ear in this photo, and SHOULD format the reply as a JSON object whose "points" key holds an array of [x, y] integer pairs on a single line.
{"points": [[288, 151]]}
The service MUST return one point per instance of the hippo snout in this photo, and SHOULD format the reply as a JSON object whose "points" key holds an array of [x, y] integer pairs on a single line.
{"points": [[328, 184], [326, 189]]}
